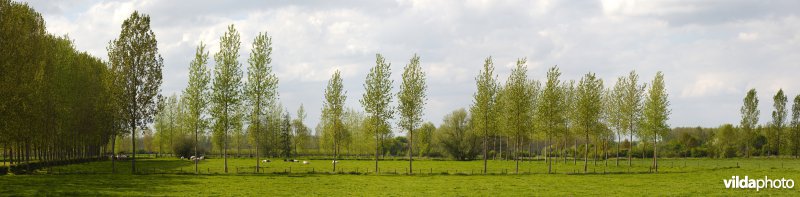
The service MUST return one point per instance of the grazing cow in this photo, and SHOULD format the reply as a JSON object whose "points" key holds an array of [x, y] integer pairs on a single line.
{"points": [[334, 161], [306, 162]]}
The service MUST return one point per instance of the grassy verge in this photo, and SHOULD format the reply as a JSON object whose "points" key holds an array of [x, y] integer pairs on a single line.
{"points": [[693, 177]]}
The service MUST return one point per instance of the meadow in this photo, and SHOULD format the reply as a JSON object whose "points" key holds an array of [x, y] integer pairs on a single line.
{"points": [[679, 177]]}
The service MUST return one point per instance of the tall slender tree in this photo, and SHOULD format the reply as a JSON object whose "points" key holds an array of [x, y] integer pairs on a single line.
{"points": [[518, 103], [483, 108], [196, 95], [551, 115], [779, 119], [333, 111], [568, 89], [632, 99], [226, 87], [139, 65], [261, 87], [750, 113], [795, 127], [588, 110], [412, 98], [656, 114], [376, 100], [615, 113]]}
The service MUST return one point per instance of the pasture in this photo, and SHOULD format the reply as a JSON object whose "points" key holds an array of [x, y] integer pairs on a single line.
{"points": [[356, 177]]}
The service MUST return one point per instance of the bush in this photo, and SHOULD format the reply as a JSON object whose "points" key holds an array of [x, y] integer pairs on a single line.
{"points": [[700, 152], [184, 147], [729, 152]]}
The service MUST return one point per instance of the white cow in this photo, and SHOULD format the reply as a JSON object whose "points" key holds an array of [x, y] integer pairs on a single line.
{"points": [[306, 162], [334, 161]]}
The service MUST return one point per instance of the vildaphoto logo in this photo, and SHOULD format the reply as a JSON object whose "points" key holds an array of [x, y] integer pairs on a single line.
{"points": [[758, 184]]}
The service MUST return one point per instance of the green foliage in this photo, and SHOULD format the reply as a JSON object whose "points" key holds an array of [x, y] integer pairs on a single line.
{"points": [[794, 127], [260, 91], [302, 134], [484, 105], [196, 96], [333, 112], [376, 100], [411, 98], [226, 95], [725, 142], [550, 116], [286, 136], [778, 120], [750, 113], [424, 141], [656, 113], [137, 65], [589, 108], [456, 137]]}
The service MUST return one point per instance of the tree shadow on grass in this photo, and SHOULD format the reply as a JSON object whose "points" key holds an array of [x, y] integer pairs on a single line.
{"points": [[95, 184]]}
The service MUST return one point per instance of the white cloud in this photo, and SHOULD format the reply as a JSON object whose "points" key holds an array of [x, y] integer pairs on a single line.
{"points": [[711, 52]]}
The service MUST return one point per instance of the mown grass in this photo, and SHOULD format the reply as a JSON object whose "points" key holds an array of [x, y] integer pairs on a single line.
{"points": [[681, 177]]}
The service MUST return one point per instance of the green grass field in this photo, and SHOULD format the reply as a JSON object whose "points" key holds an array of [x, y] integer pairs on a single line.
{"points": [[680, 177]]}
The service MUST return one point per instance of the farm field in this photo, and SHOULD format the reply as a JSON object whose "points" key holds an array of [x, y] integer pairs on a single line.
{"points": [[697, 177]]}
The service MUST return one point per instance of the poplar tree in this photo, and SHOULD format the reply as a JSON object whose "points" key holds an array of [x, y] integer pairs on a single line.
{"points": [[518, 97], [588, 110], [632, 98], [779, 118], [484, 108], [376, 99], [550, 110], [750, 113], [261, 87], [412, 98], [795, 127], [138, 67], [196, 95], [656, 114], [615, 104], [333, 111], [226, 87]]}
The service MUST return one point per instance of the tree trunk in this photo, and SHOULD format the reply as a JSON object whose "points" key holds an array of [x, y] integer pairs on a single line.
{"points": [[564, 148], [501, 148], [485, 146], [586, 154], [197, 171], [335, 146], [377, 148], [630, 149], [596, 143], [618, 142], [550, 161], [133, 147], [655, 153], [516, 154], [410, 150], [605, 153], [575, 154], [113, 154]]}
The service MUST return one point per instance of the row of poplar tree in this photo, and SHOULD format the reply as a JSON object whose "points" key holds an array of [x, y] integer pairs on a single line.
{"points": [[55, 101], [60, 104]]}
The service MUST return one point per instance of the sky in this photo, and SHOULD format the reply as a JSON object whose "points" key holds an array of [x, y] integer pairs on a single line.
{"points": [[711, 52]]}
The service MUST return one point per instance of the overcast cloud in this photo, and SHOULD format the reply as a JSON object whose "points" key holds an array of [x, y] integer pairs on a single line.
{"points": [[711, 52]]}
